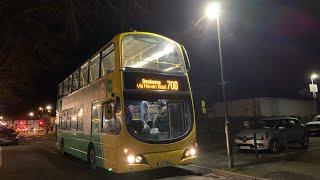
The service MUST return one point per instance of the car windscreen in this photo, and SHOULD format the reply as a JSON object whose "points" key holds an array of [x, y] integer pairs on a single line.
{"points": [[316, 118], [270, 123]]}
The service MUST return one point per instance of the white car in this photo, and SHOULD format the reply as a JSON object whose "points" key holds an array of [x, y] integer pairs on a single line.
{"points": [[314, 126]]}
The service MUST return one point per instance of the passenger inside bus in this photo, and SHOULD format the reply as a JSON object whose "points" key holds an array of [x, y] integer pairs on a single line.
{"points": [[154, 120], [138, 126]]}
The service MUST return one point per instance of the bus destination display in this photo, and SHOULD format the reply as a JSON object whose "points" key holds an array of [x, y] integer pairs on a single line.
{"points": [[156, 84]]}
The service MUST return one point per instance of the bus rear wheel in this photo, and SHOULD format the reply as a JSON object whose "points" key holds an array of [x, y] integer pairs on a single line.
{"points": [[92, 158]]}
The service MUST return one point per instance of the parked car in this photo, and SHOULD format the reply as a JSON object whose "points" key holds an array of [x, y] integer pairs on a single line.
{"points": [[273, 134], [21, 129], [314, 126], [8, 136]]}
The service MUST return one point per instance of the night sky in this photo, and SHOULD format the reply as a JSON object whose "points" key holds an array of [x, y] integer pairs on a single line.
{"points": [[269, 47]]}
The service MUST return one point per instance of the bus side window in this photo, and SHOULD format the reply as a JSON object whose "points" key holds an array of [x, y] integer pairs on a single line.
{"points": [[108, 118], [64, 120], [69, 119], [66, 87], [74, 123], [75, 80], [94, 68], [95, 118], [108, 60], [80, 118], [84, 75]]}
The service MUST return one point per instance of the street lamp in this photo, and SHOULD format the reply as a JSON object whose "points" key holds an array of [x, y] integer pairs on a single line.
{"points": [[213, 12], [48, 107], [31, 114], [41, 109], [314, 92], [313, 77], [1, 117]]}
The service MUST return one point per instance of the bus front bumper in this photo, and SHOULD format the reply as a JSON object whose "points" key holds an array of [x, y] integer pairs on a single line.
{"points": [[157, 160]]}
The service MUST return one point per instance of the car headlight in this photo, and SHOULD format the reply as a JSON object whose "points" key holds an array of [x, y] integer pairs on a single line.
{"points": [[190, 152]]}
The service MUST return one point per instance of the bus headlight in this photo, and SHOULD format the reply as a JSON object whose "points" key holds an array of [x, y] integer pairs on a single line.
{"points": [[190, 152], [138, 159], [131, 159]]}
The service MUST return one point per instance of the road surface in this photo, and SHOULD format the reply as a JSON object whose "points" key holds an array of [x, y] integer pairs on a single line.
{"points": [[36, 158]]}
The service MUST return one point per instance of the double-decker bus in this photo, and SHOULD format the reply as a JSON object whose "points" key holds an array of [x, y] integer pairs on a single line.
{"points": [[129, 107]]}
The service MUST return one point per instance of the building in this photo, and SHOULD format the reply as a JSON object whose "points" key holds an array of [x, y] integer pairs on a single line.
{"points": [[264, 107], [250, 110]]}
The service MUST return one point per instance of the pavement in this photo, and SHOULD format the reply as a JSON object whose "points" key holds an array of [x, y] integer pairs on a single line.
{"points": [[36, 158], [296, 164]]}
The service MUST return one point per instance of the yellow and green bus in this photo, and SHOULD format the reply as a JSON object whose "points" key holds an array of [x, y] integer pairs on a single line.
{"points": [[129, 107]]}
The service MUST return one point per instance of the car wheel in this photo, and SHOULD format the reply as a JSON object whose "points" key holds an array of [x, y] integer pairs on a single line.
{"points": [[274, 146], [92, 158], [16, 142], [61, 150], [305, 142]]}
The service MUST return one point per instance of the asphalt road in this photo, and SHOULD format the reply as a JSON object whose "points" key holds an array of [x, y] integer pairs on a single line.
{"points": [[36, 158]]}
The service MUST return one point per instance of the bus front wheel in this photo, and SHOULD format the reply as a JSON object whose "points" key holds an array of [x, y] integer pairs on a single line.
{"points": [[92, 157]]}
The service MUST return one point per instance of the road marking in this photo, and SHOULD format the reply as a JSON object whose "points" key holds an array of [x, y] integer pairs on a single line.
{"points": [[0, 156]]}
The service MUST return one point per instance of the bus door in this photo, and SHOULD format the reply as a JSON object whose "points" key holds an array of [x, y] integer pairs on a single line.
{"points": [[96, 116], [109, 131]]}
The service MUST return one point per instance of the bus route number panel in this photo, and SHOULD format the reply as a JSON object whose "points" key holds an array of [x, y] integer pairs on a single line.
{"points": [[155, 84], [145, 81]]}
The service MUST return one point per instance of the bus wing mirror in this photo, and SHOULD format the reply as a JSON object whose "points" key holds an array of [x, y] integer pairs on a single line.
{"points": [[186, 58]]}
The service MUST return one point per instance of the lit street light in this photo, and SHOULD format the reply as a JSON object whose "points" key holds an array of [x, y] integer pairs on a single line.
{"points": [[213, 12], [48, 108], [313, 76], [314, 92], [31, 114], [1, 117], [41, 109]]}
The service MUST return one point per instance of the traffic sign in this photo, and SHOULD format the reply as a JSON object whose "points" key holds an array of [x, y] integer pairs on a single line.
{"points": [[313, 88]]}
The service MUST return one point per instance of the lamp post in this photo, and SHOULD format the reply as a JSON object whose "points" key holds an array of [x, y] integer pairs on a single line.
{"points": [[213, 12], [41, 109], [48, 107], [314, 93]]}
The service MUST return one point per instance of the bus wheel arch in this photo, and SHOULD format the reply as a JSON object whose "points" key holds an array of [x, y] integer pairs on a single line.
{"points": [[91, 156]]}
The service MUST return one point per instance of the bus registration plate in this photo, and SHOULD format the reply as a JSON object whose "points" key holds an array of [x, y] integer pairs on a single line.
{"points": [[164, 164]]}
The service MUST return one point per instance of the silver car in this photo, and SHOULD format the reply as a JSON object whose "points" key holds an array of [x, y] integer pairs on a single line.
{"points": [[273, 134]]}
